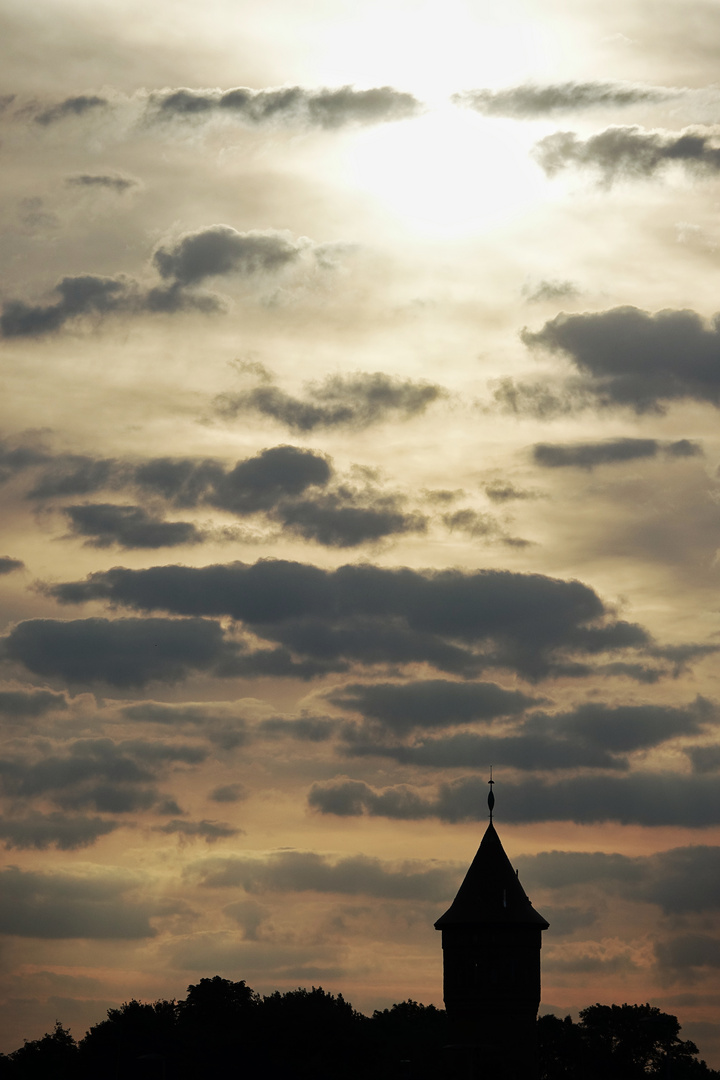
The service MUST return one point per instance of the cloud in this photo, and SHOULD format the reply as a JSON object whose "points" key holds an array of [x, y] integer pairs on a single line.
{"points": [[220, 249], [209, 831], [96, 773], [277, 482], [8, 565], [458, 622], [129, 527], [429, 703], [355, 401], [625, 728], [41, 831], [24, 704], [73, 474], [307, 871], [629, 152], [304, 728], [39, 905], [553, 290], [628, 357], [295, 105], [529, 101], [593, 735], [608, 452], [687, 952], [260, 482], [650, 799], [476, 524], [329, 520], [228, 793], [123, 652], [113, 181], [86, 294], [71, 107], [502, 491], [182, 264], [528, 752]]}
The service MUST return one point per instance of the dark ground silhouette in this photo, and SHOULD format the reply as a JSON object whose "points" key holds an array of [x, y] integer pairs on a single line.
{"points": [[224, 1029]]}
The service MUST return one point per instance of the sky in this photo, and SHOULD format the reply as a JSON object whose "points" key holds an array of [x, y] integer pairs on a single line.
{"points": [[360, 386]]}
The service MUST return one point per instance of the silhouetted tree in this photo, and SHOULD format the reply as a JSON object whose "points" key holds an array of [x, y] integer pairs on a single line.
{"points": [[217, 1026], [311, 1033], [627, 1042], [410, 1038], [54, 1055], [138, 1039]]}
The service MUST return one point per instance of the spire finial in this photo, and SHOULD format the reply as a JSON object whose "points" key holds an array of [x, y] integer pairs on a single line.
{"points": [[491, 797]]}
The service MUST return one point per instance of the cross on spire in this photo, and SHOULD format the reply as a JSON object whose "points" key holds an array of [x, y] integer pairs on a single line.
{"points": [[491, 797]]}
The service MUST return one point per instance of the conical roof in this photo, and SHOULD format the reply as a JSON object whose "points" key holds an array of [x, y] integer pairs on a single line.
{"points": [[491, 891]]}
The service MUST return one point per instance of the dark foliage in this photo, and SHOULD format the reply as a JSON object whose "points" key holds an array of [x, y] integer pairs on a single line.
{"points": [[222, 1028], [627, 1042]]}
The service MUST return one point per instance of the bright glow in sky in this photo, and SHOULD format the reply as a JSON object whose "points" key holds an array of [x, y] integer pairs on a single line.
{"points": [[447, 172]]}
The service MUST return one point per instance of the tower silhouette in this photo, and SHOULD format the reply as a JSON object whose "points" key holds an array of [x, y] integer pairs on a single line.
{"points": [[491, 940]]}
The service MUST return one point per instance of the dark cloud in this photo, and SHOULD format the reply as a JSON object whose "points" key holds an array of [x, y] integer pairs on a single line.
{"points": [[260, 482], [608, 452], [354, 401], [111, 181], [87, 294], [15, 459], [329, 520], [23, 704], [129, 527], [501, 491], [306, 871], [592, 736], [553, 290], [8, 565], [467, 750], [624, 728], [123, 652], [75, 474], [629, 357], [182, 264], [687, 952], [430, 703], [72, 106], [304, 728], [209, 831], [530, 101], [96, 773], [323, 108], [704, 758], [182, 481], [650, 799], [566, 920], [277, 482], [228, 793], [476, 524], [41, 831], [64, 906], [220, 249], [458, 622], [629, 152]]}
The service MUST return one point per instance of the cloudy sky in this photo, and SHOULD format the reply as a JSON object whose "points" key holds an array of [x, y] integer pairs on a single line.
{"points": [[361, 376]]}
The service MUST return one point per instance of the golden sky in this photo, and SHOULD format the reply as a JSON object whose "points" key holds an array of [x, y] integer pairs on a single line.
{"points": [[360, 382]]}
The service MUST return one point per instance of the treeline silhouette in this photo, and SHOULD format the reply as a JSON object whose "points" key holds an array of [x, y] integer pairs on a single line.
{"points": [[225, 1029]]}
